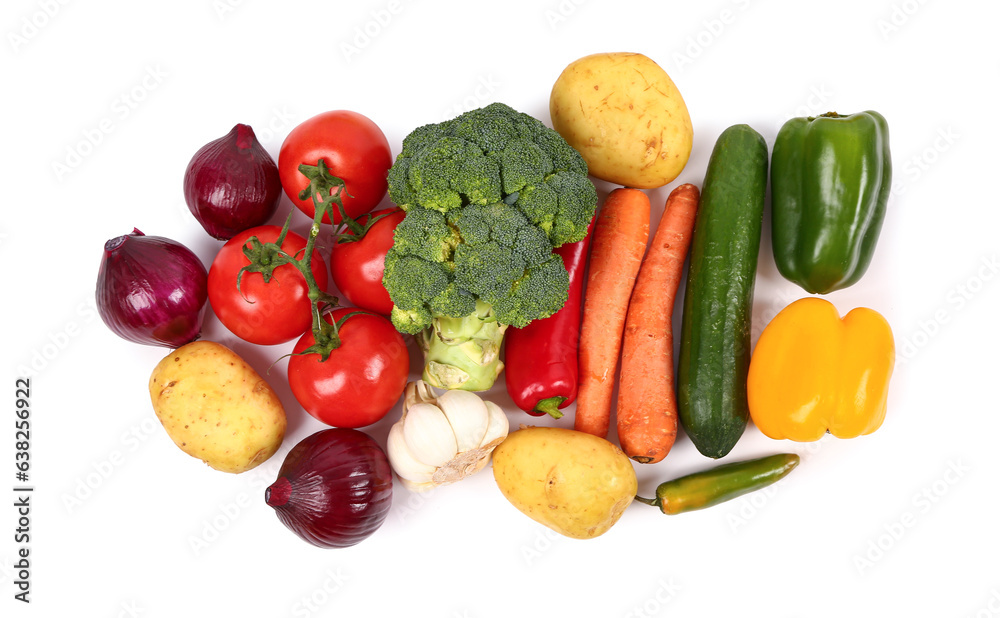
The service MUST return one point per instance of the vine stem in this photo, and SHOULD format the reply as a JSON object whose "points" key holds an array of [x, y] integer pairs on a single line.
{"points": [[325, 190]]}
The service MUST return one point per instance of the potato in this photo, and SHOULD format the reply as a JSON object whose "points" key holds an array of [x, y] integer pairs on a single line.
{"points": [[624, 114], [215, 407], [575, 483]]}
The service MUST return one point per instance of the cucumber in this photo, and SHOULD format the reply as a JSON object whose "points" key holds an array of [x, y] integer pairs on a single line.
{"points": [[715, 330]]}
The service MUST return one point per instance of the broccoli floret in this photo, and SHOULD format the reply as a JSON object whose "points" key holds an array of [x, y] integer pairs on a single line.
{"points": [[425, 234], [487, 196], [451, 173], [541, 287], [412, 282], [496, 154], [573, 191]]}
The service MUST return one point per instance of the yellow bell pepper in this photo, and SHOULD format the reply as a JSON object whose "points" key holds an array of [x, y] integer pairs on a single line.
{"points": [[813, 371]]}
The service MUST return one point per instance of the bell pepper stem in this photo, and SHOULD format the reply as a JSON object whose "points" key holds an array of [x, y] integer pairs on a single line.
{"points": [[550, 406]]}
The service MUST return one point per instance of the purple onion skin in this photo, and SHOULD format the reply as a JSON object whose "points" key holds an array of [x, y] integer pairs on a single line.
{"points": [[334, 488], [151, 290], [232, 184]]}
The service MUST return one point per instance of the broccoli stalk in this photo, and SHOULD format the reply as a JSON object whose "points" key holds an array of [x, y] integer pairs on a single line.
{"points": [[463, 352], [487, 196]]}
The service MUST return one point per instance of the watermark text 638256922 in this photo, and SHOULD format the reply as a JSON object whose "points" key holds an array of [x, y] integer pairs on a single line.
{"points": [[22, 489]]}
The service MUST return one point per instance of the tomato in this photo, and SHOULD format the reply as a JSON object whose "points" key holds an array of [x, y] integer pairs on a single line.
{"points": [[263, 313], [354, 149], [360, 381], [357, 266]]}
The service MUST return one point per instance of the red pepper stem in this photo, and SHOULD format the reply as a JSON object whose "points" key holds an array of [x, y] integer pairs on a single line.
{"points": [[550, 406]]}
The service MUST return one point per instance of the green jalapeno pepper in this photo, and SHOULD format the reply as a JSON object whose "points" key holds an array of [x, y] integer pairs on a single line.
{"points": [[830, 182], [716, 485]]}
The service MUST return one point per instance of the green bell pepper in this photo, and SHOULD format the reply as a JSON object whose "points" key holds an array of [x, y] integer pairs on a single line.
{"points": [[830, 181]]}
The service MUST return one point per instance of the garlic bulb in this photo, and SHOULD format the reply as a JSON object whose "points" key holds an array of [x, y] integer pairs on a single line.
{"points": [[440, 440]]}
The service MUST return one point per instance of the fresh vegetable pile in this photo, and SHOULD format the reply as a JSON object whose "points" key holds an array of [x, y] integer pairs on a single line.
{"points": [[496, 257]]}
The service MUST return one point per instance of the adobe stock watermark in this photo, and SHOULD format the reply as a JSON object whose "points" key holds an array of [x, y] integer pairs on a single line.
{"points": [[712, 29], [956, 299], [745, 508], [32, 25], [122, 106], [403, 510], [6, 570], [919, 164], [230, 510], [990, 608], [814, 103], [278, 123], [129, 609], [921, 503], [559, 13], [666, 590], [312, 603], [224, 8], [479, 95], [541, 542], [59, 340], [365, 33], [101, 470], [899, 15]]}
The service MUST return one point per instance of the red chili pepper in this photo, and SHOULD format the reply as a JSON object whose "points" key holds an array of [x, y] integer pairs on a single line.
{"points": [[540, 360]]}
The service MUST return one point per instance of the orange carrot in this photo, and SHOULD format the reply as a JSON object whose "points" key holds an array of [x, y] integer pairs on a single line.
{"points": [[619, 242], [647, 404]]}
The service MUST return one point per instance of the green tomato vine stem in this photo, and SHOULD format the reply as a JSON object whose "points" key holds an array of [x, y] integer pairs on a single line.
{"points": [[325, 190]]}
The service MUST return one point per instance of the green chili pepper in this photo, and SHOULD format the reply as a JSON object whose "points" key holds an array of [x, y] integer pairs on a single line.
{"points": [[716, 485], [830, 182]]}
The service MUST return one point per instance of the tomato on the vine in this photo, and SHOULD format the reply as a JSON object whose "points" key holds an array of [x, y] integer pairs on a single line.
{"points": [[354, 149], [263, 313], [357, 265], [361, 380]]}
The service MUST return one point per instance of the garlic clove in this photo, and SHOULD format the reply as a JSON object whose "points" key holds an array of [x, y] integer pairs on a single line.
{"points": [[468, 416], [418, 392], [428, 435], [498, 427], [406, 467]]}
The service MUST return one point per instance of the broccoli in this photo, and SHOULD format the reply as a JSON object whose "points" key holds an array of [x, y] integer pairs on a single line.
{"points": [[487, 196]]}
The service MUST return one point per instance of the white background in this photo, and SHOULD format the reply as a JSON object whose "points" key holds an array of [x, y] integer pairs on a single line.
{"points": [[902, 522]]}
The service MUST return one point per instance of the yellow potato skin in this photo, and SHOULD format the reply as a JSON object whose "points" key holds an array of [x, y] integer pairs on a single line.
{"points": [[575, 483], [216, 408], [624, 114]]}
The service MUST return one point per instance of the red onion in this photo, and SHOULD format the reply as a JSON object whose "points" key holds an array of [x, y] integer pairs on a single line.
{"points": [[151, 290], [232, 184], [334, 488]]}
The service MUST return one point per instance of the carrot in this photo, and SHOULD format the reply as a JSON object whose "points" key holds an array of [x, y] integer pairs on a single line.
{"points": [[619, 242], [647, 404]]}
